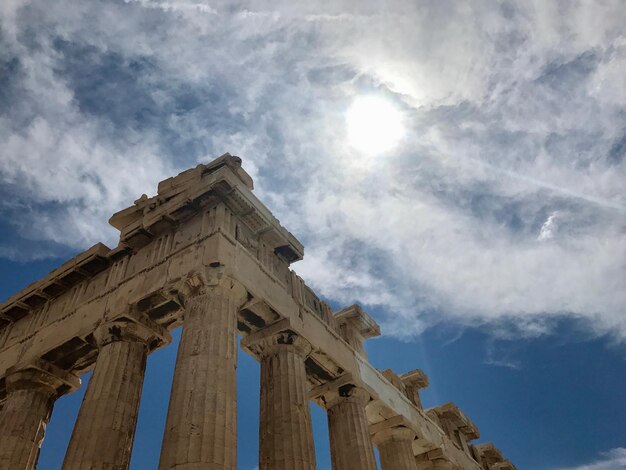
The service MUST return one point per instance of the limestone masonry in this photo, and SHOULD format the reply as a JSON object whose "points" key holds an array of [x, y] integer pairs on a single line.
{"points": [[207, 255]]}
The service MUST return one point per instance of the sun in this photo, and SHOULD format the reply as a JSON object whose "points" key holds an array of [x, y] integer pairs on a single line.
{"points": [[374, 125]]}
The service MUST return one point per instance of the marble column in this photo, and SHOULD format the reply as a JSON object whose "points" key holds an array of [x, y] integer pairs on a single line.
{"points": [[285, 431], [31, 393], [350, 441], [394, 447], [201, 425], [103, 435]]}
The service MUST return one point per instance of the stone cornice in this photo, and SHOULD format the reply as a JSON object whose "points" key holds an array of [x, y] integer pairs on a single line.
{"points": [[182, 196], [451, 413], [415, 378], [356, 318], [83, 266]]}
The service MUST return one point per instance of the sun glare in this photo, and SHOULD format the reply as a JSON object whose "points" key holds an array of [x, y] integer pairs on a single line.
{"points": [[374, 125]]}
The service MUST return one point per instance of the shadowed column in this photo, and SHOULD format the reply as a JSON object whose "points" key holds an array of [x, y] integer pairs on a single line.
{"points": [[104, 431], [31, 393], [350, 441], [285, 431], [394, 447], [201, 426]]}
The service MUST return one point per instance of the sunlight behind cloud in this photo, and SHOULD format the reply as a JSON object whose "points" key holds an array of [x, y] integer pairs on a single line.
{"points": [[489, 139], [374, 125]]}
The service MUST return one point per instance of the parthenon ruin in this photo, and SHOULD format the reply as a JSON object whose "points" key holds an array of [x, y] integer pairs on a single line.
{"points": [[205, 254]]}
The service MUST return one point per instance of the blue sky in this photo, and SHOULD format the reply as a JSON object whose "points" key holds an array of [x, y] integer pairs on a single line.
{"points": [[489, 242]]}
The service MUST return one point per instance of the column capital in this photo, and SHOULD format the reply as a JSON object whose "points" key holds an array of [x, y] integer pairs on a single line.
{"points": [[132, 327], [395, 444], [43, 375], [349, 393], [275, 338], [206, 281], [31, 391], [285, 339], [341, 390], [398, 433]]}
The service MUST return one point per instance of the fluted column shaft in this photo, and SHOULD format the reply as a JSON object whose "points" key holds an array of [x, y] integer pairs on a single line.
{"points": [[285, 434], [350, 441], [23, 419], [103, 435], [201, 426], [394, 447]]}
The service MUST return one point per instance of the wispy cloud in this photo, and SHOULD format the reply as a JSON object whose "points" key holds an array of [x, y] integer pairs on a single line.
{"points": [[502, 205], [495, 356], [615, 459], [549, 227]]}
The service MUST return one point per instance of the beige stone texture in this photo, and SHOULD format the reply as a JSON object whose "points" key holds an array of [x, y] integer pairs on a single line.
{"points": [[285, 431], [414, 381], [30, 396], [394, 448], [459, 428], [491, 457], [201, 425], [395, 380], [355, 326], [350, 441], [102, 438], [434, 460], [435, 465]]}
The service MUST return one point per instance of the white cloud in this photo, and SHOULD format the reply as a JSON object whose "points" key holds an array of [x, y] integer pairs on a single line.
{"points": [[549, 227], [194, 7], [510, 115], [615, 459]]}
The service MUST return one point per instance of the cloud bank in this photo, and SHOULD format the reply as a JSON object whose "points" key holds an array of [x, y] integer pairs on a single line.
{"points": [[503, 204]]}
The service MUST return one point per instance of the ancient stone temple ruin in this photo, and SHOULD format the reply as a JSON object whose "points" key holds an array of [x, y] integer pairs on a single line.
{"points": [[206, 255]]}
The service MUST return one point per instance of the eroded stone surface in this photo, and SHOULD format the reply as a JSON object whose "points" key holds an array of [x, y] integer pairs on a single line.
{"points": [[285, 431], [30, 396], [103, 435], [201, 425], [350, 442], [394, 447]]}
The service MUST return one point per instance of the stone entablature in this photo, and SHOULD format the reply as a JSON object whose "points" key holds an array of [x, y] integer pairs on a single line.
{"points": [[459, 428], [414, 381], [355, 326], [491, 457], [60, 280], [206, 243]]}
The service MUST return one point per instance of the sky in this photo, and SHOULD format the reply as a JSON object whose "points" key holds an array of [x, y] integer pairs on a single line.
{"points": [[486, 233]]}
